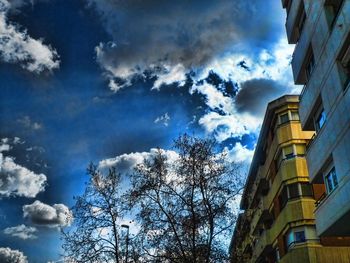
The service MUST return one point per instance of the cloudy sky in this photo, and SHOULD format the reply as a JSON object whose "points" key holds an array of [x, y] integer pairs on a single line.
{"points": [[110, 80]]}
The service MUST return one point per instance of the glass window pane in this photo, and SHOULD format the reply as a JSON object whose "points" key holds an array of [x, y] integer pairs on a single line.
{"points": [[299, 236], [283, 198], [284, 118], [288, 151], [306, 190], [290, 238], [293, 190], [329, 182], [334, 178], [321, 119]]}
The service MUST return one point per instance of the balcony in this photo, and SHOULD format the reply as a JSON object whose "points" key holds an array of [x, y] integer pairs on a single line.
{"points": [[292, 32], [263, 187], [299, 55], [293, 169], [263, 245], [317, 254], [335, 223]]}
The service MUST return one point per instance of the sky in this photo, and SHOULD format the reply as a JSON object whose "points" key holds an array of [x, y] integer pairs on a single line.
{"points": [[108, 81]]}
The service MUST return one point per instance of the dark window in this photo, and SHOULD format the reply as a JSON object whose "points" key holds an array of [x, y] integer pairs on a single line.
{"points": [[310, 64], [332, 8], [306, 190], [284, 118], [299, 236], [293, 190], [344, 62], [283, 198]]}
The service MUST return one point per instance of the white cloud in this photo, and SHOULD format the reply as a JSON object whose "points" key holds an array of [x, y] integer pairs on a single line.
{"points": [[171, 75], [215, 99], [164, 119], [57, 215], [22, 232], [271, 64], [7, 255], [16, 180], [127, 162], [227, 126], [16, 46], [240, 154], [28, 123]]}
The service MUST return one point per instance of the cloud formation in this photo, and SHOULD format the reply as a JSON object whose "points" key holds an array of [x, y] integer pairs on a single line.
{"points": [[8, 255], [240, 154], [16, 46], [164, 119], [125, 163], [255, 94], [170, 36], [17, 180], [28, 123], [22, 232], [57, 215]]}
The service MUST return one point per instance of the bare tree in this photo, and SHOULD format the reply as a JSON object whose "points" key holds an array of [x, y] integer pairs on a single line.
{"points": [[95, 234], [186, 205]]}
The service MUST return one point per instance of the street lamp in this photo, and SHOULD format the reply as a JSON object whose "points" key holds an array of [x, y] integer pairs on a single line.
{"points": [[127, 241]]}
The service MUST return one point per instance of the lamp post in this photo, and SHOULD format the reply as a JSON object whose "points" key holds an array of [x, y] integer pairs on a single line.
{"points": [[127, 241]]}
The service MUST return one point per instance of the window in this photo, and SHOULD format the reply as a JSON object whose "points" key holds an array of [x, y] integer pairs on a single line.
{"points": [[295, 236], [299, 236], [283, 198], [295, 116], [332, 9], [344, 62], [331, 180], [288, 152], [277, 254], [306, 190], [279, 160], [293, 190], [320, 120], [310, 64], [284, 118]]}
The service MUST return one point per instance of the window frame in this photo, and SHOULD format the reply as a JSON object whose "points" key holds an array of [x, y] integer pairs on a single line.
{"points": [[320, 114], [332, 174], [344, 64]]}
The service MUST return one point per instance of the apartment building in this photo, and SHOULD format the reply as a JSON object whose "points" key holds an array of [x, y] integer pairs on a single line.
{"points": [[320, 30], [278, 223]]}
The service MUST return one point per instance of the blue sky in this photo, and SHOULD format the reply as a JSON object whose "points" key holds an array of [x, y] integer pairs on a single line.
{"points": [[107, 81]]}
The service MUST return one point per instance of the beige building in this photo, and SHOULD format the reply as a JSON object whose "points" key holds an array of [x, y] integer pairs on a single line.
{"points": [[321, 62], [278, 222]]}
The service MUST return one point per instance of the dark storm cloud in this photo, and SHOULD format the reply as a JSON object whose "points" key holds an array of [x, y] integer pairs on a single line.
{"points": [[151, 34], [256, 93]]}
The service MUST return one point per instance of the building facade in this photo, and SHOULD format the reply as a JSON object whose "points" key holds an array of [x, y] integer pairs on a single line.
{"points": [[278, 223], [321, 62]]}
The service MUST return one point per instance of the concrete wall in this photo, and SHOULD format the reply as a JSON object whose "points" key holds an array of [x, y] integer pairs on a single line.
{"points": [[333, 140]]}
